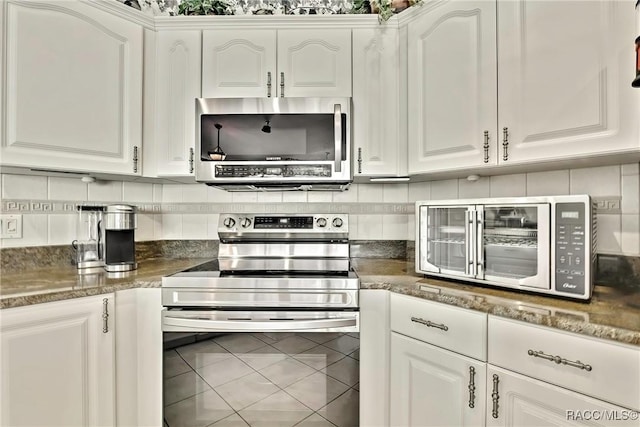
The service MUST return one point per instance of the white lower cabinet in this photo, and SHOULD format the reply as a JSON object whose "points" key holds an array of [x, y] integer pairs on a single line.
{"points": [[433, 379], [374, 357], [520, 401], [449, 366], [57, 363], [431, 386], [139, 357]]}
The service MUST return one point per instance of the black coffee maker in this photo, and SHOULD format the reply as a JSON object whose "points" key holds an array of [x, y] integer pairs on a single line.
{"points": [[119, 238]]}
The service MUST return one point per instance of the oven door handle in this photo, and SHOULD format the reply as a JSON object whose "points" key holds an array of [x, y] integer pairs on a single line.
{"points": [[256, 325], [337, 134]]}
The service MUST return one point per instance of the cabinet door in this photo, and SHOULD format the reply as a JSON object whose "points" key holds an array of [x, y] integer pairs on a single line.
{"points": [[564, 79], [379, 129], [431, 386], [178, 77], [58, 363], [238, 63], [314, 63], [514, 400], [73, 88], [452, 87], [374, 357], [139, 357]]}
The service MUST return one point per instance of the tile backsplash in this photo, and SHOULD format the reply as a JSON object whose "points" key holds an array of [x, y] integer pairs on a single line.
{"points": [[377, 211]]}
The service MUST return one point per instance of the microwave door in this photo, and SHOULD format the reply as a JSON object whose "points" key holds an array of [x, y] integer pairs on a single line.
{"points": [[448, 243], [514, 241]]}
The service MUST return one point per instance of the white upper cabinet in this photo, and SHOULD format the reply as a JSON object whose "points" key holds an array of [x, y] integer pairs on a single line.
{"points": [[379, 90], [314, 63], [563, 81], [452, 86], [173, 75], [268, 63], [238, 63], [73, 88]]}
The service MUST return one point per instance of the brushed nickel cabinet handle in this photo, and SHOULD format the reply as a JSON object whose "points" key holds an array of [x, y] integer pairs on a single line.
{"points": [[269, 84], [560, 361], [472, 387], [495, 396], [429, 323], [359, 160], [105, 315], [135, 159], [282, 85], [191, 155], [486, 146], [505, 143]]}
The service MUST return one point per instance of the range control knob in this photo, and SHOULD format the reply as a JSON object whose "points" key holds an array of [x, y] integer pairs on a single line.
{"points": [[229, 222], [337, 222], [245, 222], [321, 222]]}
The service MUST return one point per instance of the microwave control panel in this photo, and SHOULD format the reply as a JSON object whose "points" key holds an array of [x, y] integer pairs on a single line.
{"points": [[571, 249], [276, 170]]}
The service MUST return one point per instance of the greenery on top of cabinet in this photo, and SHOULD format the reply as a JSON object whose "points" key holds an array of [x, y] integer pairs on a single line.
{"points": [[384, 8]]}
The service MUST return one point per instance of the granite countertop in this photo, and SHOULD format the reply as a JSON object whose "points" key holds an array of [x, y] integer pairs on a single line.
{"points": [[611, 314], [58, 283]]}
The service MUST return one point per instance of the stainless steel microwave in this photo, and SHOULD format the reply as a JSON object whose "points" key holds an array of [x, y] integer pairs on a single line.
{"points": [[274, 143], [539, 244]]}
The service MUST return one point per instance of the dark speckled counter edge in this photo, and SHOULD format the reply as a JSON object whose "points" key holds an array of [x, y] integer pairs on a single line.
{"points": [[414, 286]]}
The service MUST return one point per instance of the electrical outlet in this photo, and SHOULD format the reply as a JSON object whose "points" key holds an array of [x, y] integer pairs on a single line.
{"points": [[11, 226]]}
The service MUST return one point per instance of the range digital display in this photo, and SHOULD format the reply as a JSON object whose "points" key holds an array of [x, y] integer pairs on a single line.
{"points": [[283, 222]]}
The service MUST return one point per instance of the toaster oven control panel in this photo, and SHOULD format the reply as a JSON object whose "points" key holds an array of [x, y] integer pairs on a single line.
{"points": [[571, 249]]}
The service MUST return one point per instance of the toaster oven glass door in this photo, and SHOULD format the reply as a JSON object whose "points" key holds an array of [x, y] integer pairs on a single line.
{"points": [[449, 242], [500, 244], [515, 243]]}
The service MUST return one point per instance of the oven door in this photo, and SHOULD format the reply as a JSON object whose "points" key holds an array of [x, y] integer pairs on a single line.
{"points": [[180, 320], [255, 368]]}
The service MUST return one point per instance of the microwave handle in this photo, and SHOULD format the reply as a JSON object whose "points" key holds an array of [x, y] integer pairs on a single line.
{"points": [[468, 242], [479, 245], [337, 135]]}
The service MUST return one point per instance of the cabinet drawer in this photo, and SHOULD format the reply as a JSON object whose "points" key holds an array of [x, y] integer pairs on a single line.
{"points": [[602, 369], [456, 329]]}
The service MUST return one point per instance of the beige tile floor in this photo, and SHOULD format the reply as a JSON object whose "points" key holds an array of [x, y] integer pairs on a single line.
{"points": [[263, 379]]}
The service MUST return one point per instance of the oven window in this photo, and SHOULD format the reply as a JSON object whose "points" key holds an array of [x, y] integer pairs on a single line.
{"points": [[511, 241], [277, 137], [255, 379]]}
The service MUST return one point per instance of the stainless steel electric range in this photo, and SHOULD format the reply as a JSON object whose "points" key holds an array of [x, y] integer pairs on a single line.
{"points": [[273, 273], [267, 331]]}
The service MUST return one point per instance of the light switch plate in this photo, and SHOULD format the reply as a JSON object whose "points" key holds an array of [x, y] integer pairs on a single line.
{"points": [[11, 226]]}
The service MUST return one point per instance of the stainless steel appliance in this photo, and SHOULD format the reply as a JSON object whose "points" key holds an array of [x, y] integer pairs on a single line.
{"points": [[88, 244], [636, 81], [249, 144], [119, 238], [538, 244], [273, 273], [274, 323]]}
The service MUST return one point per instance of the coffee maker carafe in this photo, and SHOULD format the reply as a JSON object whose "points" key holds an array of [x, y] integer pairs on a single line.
{"points": [[119, 238], [88, 245]]}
